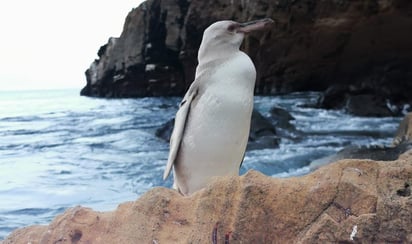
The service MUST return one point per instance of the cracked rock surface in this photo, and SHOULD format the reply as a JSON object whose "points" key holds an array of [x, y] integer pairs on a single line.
{"points": [[361, 201]]}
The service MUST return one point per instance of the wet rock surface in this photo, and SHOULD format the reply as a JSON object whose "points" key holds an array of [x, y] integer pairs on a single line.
{"points": [[262, 132], [365, 103], [401, 143]]}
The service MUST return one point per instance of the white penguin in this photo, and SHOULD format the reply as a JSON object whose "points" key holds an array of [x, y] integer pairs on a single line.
{"points": [[212, 124]]}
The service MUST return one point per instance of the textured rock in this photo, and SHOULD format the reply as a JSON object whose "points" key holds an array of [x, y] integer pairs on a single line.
{"points": [[364, 46], [165, 131], [360, 102], [401, 143], [372, 152], [262, 132], [368, 105], [281, 120], [143, 61], [361, 200]]}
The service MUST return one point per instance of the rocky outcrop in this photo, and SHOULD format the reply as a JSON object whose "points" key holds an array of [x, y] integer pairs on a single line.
{"points": [[401, 143], [367, 103], [144, 60], [262, 132], [372, 152], [362, 46], [360, 201]]}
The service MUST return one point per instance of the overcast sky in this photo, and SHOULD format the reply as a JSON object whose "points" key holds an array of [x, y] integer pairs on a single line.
{"points": [[50, 43]]}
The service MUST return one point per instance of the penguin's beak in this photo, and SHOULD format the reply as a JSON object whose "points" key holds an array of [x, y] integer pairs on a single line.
{"points": [[254, 25]]}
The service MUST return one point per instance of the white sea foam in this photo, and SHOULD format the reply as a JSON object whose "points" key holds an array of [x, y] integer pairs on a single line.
{"points": [[104, 152]]}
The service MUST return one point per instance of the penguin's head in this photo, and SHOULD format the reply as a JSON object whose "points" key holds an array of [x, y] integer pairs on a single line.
{"points": [[227, 35]]}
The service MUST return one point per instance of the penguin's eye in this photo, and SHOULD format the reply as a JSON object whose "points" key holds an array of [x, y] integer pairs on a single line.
{"points": [[232, 27]]}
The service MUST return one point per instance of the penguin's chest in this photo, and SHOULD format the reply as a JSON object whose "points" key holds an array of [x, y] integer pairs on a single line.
{"points": [[228, 93], [220, 118], [218, 130], [225, 107], [223, 115]]}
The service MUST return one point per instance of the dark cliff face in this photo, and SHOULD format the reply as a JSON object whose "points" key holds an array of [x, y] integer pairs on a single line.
{"points": [[362, 46], [144, 60]]}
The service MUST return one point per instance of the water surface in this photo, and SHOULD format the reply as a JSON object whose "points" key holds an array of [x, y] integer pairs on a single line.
{"points": [[59, 150]]}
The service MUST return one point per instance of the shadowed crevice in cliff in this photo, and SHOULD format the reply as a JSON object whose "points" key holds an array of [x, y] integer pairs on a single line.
{"points": [[362, 45], [144, 60]]}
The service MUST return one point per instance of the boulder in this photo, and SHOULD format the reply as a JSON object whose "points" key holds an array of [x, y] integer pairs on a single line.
{"points": [[368, 106], [165, 131], [313, 45], [361, 102], [334, 97], [361, 201], [262, 132], [401, 143], [372, 152], [281, 119]]}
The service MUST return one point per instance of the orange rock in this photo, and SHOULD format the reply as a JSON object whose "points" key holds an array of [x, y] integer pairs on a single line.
{"points": [[362, 201]]}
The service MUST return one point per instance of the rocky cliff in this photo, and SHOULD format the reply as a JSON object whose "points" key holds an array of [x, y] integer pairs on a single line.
{"points": [[356, 47], [359, 201]]}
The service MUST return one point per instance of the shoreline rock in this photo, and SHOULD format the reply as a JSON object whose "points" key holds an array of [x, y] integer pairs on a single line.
{"points": [[401, 143], [350, 200], [315, 45], [262, 133]]}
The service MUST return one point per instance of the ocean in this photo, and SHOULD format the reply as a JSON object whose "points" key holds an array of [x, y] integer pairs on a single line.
{"points": [[59, 150]]}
